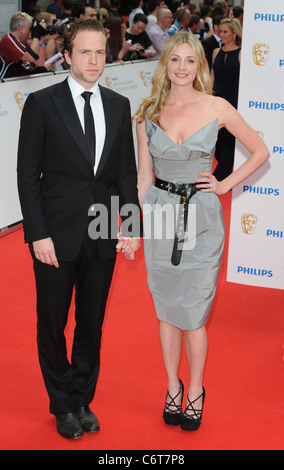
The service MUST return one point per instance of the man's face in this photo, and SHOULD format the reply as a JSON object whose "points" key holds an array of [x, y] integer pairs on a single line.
{"points": [[24, 31], [138, 27], [216, 28], [90, 12], [167, 19], [88, 57], [195, 27]]}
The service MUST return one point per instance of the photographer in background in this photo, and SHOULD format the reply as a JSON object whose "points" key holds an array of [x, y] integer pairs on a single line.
{"points": [[141, 47], [54, 29], [24, 48]]}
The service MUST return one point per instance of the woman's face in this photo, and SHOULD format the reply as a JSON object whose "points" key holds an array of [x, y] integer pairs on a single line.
{"points": [[182, 66], [226, 34]]}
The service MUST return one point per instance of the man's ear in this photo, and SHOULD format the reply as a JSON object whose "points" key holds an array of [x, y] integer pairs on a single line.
{"points": [[67, 57]]}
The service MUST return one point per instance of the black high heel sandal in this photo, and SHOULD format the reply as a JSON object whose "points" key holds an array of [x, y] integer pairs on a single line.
{"points": [[192, 422], [172, 412]]}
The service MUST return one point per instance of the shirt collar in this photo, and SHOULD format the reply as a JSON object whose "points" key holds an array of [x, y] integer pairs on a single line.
{"points": [[217, 38], [77, 89]]}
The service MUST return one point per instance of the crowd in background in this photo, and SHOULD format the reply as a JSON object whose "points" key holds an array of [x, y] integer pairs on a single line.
{"points": [[135, 30]]}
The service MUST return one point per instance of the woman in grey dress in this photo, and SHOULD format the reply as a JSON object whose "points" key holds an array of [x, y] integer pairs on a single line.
{"points": [[177, 129]]}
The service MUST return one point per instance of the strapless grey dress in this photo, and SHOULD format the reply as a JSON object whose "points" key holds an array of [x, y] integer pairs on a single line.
{"points": [[182, 294]]}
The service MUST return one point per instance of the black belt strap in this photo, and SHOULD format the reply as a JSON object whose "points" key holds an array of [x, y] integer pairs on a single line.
{"points": [[185, 191]]}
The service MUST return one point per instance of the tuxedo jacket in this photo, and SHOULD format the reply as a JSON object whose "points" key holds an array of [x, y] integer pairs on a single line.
{"points": [[56, 180], [209, 45]]}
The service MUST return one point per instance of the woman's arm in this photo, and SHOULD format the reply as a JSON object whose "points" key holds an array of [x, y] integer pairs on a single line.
{"points": [[145, 166], [231, 119]]}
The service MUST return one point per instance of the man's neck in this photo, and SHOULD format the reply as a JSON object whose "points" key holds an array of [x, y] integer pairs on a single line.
{"points": [[74, 82], [16, 35], [163, 27]]}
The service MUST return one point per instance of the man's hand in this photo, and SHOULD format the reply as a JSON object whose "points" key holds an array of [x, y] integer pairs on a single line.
{"points": [[39, 29], [44, 251]]}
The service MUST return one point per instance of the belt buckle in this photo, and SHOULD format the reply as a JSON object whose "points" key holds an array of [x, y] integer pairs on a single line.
{"points": [[169, 186]]}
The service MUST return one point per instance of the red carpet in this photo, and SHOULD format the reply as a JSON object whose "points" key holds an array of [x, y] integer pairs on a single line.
{"points": [[243, 378]]}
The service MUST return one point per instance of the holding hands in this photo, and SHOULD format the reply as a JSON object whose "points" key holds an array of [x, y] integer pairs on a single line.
{"points": [[128, 246]]}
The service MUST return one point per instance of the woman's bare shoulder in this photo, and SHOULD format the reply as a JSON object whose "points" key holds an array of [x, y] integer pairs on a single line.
{"points": [[219, 105], [216, 101], [220, 109]]}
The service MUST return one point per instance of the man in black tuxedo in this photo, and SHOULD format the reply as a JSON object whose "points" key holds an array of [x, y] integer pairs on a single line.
{"points": [[74, 157], [214, 41]]}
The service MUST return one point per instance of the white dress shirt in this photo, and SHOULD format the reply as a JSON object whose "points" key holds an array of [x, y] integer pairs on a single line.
{"points": [[98, 113]]}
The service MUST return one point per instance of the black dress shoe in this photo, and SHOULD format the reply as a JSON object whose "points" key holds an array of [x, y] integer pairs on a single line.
{"points": [[88, 420], [192, 421], [172, 412], [69, 426]]}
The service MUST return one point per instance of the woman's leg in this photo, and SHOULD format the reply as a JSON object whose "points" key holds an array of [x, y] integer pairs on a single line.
{"points": [[195, 343], [171, 343]]}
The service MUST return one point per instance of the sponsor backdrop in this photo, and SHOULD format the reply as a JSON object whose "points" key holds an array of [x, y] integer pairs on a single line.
{"points": [[256, 244], [132, 80]]}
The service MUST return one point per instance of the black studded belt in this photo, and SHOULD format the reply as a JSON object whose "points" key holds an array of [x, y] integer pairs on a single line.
{"points": [[185, 191]]}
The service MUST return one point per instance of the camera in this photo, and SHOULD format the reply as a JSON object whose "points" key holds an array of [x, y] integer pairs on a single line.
{"points": [[59, 28], [53, 28]]}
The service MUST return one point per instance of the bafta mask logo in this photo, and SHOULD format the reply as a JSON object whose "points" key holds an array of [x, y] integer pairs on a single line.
{"points": [[249, 222], [108, 83], [146, 78], [260, 53], [19, 99], [261, 134]]}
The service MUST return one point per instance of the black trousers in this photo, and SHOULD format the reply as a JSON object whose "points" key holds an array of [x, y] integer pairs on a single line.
{"points": [[72, 384]]}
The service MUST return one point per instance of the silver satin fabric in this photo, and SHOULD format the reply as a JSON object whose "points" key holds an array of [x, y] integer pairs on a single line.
{"points": [[183, 294]]}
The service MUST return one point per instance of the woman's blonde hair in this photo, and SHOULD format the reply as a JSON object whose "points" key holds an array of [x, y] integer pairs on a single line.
{"points": [[153, 106], [235, 26]]}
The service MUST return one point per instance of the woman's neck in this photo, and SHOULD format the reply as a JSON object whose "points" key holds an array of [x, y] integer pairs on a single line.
{"points": [[182, 95], [231, 46]]}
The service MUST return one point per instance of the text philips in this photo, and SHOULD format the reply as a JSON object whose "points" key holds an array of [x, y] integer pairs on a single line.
{"points": [[277, 18], [265, 105]]}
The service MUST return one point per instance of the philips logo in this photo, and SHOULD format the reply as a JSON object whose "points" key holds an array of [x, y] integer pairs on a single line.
{"points": [[275, 233], [269, 17], [255, 271], [265, 105], [261, 190], [278, 150]]}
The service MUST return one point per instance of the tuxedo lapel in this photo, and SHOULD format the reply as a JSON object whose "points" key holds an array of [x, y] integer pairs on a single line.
{"points": [[109, 112], [65, 107]]}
